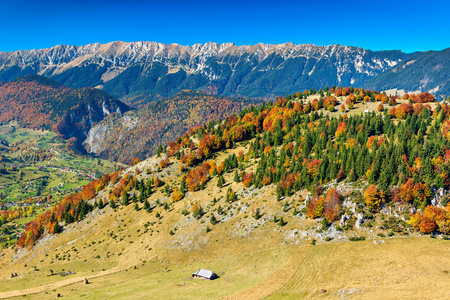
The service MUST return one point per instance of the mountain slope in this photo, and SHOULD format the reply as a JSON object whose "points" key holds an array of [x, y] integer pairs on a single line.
{"points": [[139, 132], [37, 102], [150, 68], [428, 71]]}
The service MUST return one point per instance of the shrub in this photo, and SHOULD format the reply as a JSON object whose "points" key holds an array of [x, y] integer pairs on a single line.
{"points": [[357, 238], [177, 195], [184, 211], [213, 220], [257, 214], [197, 211]]}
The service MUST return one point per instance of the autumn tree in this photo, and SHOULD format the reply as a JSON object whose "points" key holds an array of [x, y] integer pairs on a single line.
{"points": [[373, 197], [380, 107]]}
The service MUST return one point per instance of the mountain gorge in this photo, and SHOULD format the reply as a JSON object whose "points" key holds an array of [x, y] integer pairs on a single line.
{"points": [[137, 133], [152, 70]]}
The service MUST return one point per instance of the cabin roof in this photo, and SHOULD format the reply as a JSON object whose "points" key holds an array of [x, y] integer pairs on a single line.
{"points": [[205, 273]]}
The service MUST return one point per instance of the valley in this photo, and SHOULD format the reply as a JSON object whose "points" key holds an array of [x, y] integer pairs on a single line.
{"points": [[38, 169]]}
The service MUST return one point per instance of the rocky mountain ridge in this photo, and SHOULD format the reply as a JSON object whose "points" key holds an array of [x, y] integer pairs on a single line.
{"points": [[133, 68]]}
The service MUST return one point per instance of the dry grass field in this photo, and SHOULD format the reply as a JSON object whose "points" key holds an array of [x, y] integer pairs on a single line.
{"points": [[402, 268]]}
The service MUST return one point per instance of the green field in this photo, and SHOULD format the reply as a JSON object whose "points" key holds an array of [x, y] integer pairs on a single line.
{"points": [[36, 164]]}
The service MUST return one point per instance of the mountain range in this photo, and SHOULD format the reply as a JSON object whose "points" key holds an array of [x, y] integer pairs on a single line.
{"points": [[141, 72]]}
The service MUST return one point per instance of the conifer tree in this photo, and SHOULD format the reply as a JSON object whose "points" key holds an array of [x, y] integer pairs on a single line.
{"points": [[236, 176], [257, 214], [146, 205], [160, 150], [213, 219], [221, 181], [125, 201], [183, 186]]}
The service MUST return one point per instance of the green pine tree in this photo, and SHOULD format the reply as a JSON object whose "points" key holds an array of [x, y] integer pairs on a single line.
{"points": [[236, 176], [220, 181], [146, 205], [125, 201]]}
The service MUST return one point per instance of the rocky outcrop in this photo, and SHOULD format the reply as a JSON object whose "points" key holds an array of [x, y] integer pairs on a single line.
{"points": [[94, 106], [99, 134]]}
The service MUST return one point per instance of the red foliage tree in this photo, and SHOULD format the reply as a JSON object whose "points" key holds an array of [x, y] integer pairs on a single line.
{"points": [[198, 177], [247, 179], [332, 205], [404, 110]]}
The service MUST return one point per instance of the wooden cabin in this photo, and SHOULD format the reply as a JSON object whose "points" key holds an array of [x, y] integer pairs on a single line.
{"points": [[205, 274]]}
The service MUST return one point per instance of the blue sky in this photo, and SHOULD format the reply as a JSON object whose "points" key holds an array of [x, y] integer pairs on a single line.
{"points": [[377, 25]]}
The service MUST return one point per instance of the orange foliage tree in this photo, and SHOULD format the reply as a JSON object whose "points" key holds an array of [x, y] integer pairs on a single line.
{"points": [[373, 197], [380, 107], [341, 129], [198, 177], [315, 207]]}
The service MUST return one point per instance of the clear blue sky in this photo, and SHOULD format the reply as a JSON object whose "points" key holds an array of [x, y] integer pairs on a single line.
{"points": [[377, 25]]}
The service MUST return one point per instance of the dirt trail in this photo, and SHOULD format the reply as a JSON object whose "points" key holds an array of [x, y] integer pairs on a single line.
{"points": [[54, 285], [274, 281]]}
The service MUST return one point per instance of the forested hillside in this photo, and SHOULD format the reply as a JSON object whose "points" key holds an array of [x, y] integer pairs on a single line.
{"points": [[398, 158], [36, 102]]}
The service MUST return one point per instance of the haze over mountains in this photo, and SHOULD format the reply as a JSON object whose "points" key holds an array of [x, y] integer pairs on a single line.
{"points": [[144, 71]]}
